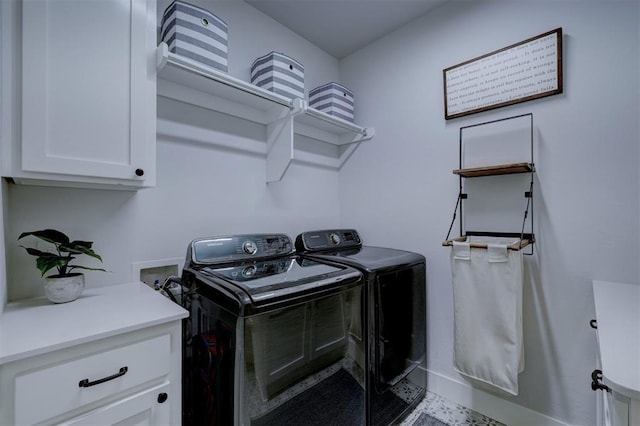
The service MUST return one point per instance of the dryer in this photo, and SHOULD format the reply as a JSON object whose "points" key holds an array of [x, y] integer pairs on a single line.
{"points": [[394, 318]]}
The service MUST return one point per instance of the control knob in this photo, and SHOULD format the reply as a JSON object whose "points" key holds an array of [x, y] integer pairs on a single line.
{"points": [[249, 271], [334, 238], [249, 247]]}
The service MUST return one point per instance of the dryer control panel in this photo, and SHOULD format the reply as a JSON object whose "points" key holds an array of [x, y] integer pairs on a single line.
{"points": [[328, 239]]}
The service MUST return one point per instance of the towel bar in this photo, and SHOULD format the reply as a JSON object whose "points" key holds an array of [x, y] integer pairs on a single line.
{"points": [[519, 245]]}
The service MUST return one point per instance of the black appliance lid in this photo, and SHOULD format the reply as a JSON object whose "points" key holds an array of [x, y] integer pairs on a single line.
{"points": [[287, 277], [371, 258]]}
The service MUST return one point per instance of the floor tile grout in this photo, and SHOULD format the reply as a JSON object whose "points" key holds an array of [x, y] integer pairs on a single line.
{"points": [[449, 412]]}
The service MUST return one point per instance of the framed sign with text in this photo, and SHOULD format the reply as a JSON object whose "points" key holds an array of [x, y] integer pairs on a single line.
{"points": [[521, 72]]}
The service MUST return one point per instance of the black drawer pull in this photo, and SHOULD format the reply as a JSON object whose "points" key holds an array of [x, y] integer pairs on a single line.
{"points": [[86, 383], [596, 376]]}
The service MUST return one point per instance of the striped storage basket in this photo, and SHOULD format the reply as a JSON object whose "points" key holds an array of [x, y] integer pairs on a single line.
{"points": [[279, 74], [195, 33], [334, 99]]}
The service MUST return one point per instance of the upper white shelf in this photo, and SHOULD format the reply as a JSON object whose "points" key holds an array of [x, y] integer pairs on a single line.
{"points": [[198, 84], [319, 125], [194, 83]]}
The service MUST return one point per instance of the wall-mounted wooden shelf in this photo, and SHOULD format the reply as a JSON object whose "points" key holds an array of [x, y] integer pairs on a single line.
{"points": [[188, 81], [500, 169], [524, 239]]}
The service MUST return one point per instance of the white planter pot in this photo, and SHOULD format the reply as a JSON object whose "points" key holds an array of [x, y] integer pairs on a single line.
{"points": [[63, 289]]}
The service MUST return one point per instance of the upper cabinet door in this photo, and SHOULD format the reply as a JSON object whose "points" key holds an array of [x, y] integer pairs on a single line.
{"points": [[88, 90]]}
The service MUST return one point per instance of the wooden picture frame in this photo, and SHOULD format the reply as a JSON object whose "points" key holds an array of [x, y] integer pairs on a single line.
{"points": [[527, 70]]}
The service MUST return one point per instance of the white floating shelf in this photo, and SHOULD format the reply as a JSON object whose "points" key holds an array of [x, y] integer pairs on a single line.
{"points": [[188, 81], [319, 125], [209, 88]]}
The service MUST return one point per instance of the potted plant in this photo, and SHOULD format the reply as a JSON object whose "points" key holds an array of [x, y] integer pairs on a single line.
{"points": [[66, 285]]}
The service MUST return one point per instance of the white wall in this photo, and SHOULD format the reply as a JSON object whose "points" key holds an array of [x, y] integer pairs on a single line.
{"points": [[399, 191], [202, 190]]}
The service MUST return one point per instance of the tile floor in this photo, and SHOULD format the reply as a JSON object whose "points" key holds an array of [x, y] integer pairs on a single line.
{"points": [[448, 412]]}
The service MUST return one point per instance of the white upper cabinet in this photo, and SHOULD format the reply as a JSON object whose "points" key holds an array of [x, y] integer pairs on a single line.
{"points": [[88, 94]]}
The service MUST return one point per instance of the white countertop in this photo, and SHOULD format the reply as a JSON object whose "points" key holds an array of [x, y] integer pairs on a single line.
{"points": [[36, 326], [618, 317]]}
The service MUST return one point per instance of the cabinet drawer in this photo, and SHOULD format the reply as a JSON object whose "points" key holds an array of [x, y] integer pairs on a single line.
{"points": [[144, 408], [52, 390]]}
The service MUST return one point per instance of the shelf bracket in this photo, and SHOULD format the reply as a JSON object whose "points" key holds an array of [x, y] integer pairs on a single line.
{"points": [[280, 142], [279, 148], [162, 56], [366, 134], [348, 150]]}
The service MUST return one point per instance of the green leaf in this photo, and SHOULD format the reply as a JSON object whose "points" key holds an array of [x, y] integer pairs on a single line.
{"points": [[46, 263], [86, 244], [71, 267], [80, 249], [35, 252], [49, 235]]}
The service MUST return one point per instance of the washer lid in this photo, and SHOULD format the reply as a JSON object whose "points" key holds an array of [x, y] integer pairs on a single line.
{"points": [[288, 278]]}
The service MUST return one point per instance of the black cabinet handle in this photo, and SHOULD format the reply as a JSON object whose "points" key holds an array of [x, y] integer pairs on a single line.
{"points": [[596, 376], [162, 397], [593, 323], [86, 383], [139, 172]]}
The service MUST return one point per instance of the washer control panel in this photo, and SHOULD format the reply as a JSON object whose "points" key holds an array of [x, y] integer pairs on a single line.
{"points": [[327, 240], [236, 248]]}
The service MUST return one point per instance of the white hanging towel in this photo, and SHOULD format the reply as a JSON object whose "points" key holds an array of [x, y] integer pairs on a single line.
{"points": [[487, 300]]}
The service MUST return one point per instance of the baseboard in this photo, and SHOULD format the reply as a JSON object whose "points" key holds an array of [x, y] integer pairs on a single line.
{"points": [[490, 405]]}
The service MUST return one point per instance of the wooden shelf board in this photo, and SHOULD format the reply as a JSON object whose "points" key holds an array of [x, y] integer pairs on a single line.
{"points": [[500, 169], [519, 245]]}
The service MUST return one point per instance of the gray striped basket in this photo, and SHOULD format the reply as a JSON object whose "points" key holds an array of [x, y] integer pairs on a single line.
{"points": [[195, 33], [334, 99], [279, 74]]}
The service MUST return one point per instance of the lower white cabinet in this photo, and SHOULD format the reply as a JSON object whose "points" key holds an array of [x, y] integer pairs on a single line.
{"points": [[617, 321], [113, 356], [104, 382]]}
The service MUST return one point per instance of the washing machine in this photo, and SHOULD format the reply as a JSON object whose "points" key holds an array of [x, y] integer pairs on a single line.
{"points": [[270, 336], [394, 318]]}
